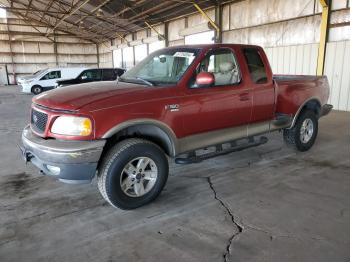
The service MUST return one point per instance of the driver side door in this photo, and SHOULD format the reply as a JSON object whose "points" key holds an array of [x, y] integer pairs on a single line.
{"points": [[223, 108]]}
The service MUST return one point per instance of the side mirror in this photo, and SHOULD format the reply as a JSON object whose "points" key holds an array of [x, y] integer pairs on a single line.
{"points": [[83, 77], [205, 79]]}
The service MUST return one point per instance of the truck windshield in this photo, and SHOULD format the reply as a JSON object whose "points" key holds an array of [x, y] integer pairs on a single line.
{"points": [[164, 67]]}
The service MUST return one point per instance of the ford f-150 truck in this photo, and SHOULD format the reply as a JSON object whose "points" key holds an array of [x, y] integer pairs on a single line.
{"points": [[219, 97]]}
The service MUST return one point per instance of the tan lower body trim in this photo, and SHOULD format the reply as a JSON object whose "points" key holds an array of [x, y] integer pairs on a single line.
{"points": [[202, 140]]}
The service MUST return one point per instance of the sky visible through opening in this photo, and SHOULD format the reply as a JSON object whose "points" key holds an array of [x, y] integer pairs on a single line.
{"points": [[2, 13]]}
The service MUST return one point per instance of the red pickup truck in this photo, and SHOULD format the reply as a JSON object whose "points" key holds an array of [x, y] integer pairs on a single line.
{"points": [[178, 100]]}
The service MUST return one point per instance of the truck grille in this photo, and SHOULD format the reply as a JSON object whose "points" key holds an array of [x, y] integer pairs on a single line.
{"points": [[38, 121]]}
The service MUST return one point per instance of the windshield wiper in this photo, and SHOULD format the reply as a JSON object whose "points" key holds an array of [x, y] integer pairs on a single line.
{"points": [[132, 80], [145, 81]]}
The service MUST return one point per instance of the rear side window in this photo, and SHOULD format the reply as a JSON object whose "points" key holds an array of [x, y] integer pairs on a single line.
{"points": [[52, 75], [256, 66], [120, 72], [109, 74]]}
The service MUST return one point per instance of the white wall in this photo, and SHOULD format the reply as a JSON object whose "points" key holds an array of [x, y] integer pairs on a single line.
{"points": [[337, 69], [105, 54], [294, 59]]}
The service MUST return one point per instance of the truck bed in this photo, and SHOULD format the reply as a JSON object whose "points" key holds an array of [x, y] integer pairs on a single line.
{"points": [[283, 78], [294, 90]]}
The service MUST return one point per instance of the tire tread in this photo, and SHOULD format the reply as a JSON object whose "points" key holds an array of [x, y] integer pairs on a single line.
{"points": [[291, 136], [107, 161]]}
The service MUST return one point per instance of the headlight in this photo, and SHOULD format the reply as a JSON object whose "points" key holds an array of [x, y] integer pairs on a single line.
{"points": [[72, 126]]}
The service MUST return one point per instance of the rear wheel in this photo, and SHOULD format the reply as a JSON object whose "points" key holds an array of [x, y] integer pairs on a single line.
{"points": [[37, 90], [133, 173], [303, 134]]}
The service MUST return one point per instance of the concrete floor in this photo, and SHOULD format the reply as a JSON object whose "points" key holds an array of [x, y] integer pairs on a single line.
{"points": [[264, 204]]}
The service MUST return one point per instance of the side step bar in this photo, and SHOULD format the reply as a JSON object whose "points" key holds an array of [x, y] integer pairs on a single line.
{"points": [[192, 157]]}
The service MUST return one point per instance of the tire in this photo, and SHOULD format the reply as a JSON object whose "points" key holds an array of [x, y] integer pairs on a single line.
{"points": [[299, 137], [37, 90], [118, 169]]}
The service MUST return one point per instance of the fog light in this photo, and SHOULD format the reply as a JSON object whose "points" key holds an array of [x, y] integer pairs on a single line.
{"points": [[55, 170]]}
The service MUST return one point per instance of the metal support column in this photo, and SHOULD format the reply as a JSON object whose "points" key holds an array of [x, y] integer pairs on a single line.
{"points": [[98, 55], [166, 33], [218, 21], [160, 36], [326, 4], [55, 47], [12, 55], [211, 22]]}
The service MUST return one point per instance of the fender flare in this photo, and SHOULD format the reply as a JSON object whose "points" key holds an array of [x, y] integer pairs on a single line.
{"points": [[301, 108], [172, 142]]}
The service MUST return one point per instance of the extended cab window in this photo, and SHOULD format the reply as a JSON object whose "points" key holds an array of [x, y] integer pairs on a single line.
{"points": [[109, 74], [52, 75], [255, 65], [91, 75], [223, 65], [120, 72]]}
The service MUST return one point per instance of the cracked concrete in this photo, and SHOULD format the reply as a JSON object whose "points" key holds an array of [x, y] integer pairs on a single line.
{"points": [[263, 204], [229, 212]]}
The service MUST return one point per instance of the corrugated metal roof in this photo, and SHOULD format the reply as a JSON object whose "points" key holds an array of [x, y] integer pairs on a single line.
{"points": [[99, 20]]}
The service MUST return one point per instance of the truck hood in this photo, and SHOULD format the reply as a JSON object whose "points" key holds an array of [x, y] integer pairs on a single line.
{"points": [[93, 96], [25, 78]]}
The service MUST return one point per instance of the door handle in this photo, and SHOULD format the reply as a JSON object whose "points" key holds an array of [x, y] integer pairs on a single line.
{"points": [[244, 97]]}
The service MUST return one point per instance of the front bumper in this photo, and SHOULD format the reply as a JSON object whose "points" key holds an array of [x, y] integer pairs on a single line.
{"points": [[26, 88], [68, 161]]}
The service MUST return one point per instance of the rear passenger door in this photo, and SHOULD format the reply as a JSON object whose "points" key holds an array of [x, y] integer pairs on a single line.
{"points": [[90, 75], [224, 105], [261, 83]]}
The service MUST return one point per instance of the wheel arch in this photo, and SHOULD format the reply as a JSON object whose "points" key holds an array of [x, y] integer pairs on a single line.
{"points": [[36, 85], [149, 129], [313, 104]]}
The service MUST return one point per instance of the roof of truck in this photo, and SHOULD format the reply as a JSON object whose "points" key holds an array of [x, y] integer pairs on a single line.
{"points": [[206, 46]]}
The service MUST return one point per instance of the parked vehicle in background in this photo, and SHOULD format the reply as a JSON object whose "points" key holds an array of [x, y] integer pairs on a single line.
{"points": [[22, 79], [93, 75], [219, 97], [46, 79]]}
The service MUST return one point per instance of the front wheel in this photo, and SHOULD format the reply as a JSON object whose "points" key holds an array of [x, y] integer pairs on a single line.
{"points": [[303, 134], [133, 173]]}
